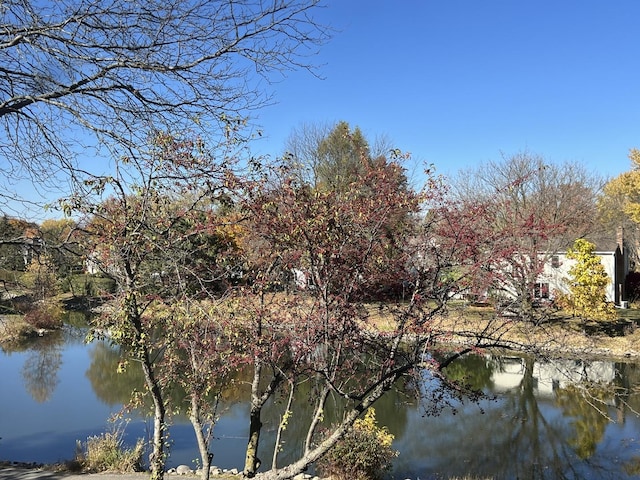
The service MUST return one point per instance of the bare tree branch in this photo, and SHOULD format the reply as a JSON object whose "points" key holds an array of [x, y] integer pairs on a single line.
{"points": [[79, 74]]}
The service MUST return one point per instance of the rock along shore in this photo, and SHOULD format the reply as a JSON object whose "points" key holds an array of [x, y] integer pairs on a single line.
{"points": [[32, 471]]}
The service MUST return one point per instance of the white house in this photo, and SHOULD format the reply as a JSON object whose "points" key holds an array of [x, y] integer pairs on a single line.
{"points": [[613, 255], [551, 374]]}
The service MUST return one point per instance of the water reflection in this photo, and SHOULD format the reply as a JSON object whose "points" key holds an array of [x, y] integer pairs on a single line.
{"points": [[589, 419], [563, 419], [42, 363], [531, 434], [541, 425], [43, 360], [111, 383], [475, 371], [40, 369]]}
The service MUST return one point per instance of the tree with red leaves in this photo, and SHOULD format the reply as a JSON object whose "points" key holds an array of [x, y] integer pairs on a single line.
{"points": [[323, 331], [530, 210], [159, 229], [206, 266]]}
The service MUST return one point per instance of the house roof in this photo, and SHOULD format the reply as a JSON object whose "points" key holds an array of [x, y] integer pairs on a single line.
{"points": [[606, 240]]}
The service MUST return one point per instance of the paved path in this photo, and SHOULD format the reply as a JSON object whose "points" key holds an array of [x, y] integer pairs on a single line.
{"points": [[17, 473]]}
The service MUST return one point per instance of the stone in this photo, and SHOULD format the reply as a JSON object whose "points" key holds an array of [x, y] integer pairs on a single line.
{"points": [[183, 470]]}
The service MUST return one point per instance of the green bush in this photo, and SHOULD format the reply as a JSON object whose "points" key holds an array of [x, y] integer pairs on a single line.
{"points": [[87, 285], [364, 453], [10, 276], [106, 452]]}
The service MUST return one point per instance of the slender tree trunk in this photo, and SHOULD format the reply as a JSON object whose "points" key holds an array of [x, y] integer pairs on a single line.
{"points": [[157, 458], [203, 444], [282, 426], [141, 349], [251, 462], [258, 400], [196, 392], [317, 418]]}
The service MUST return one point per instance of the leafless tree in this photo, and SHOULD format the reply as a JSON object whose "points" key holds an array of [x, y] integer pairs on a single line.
{"points": [[79, 75], [564, 195], [537, 209], [302, 148]]}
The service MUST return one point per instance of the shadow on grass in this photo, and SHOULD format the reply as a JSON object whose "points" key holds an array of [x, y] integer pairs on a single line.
{"points": [[611, 328], [626, 322]]}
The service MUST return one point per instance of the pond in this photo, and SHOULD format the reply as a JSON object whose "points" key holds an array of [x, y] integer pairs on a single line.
{"points": [[539, 422]]}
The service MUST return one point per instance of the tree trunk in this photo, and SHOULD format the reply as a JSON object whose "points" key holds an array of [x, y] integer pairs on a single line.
{"points": [[252, 462], [311, 456], [203, 444], [317, 418], [156, 459], [282, 426], [141, 349]]}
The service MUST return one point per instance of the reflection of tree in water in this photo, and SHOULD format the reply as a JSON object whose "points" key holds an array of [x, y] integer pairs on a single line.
{"points": [[537, 442], [40, 369], [518, 437], [627, 401], [528, 426], [589, 405], [585, 404], [113, 385], [391, 409], [627, 393], [472, 371]]}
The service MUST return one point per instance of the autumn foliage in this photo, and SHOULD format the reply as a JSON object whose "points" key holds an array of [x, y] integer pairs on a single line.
{"points": [[221, 270], [588, 282], [365, 453]]}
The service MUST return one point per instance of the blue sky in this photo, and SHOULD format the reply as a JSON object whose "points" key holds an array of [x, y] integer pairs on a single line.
{"points": [[459, 82]]}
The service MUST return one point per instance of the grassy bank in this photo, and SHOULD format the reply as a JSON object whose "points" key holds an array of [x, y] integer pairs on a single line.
{"points": [[559, 335], [15, 328]]}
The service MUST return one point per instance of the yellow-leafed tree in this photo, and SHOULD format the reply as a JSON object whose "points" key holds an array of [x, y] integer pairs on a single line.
{"points": [[588, 283], [621, 195], [41, 277]]}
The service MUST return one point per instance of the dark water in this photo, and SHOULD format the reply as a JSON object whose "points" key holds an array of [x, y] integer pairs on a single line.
{"points": [[542, 422]]}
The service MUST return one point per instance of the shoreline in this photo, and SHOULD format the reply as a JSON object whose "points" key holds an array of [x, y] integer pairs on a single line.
{"points": [[33, 471], [556, 340]]}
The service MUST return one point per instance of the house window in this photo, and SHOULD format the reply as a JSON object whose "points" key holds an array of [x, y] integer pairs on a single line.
{"points": [[555, 261], [541, 290]]}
